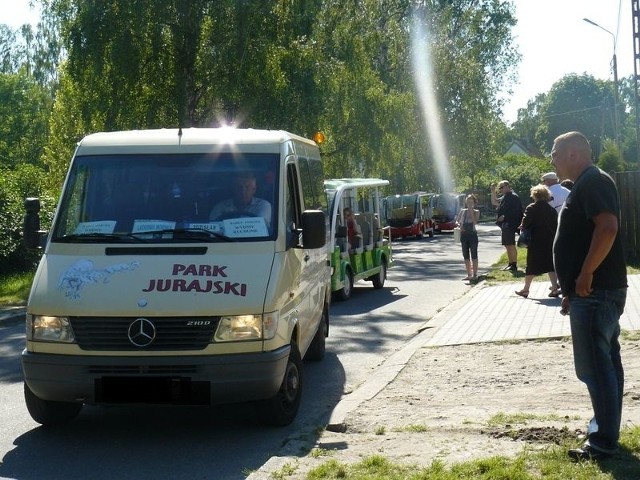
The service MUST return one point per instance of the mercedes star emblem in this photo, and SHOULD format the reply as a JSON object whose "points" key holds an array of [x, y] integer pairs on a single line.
{"points": [[141, 332]]}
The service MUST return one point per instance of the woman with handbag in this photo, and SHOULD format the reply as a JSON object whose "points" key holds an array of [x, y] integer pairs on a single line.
{"points": [[541, 220], [467, 220]]}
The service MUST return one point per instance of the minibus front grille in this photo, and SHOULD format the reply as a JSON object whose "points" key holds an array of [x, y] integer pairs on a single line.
{"points": [[155, 333]]}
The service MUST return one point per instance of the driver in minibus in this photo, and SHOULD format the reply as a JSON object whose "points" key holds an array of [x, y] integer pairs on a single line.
{"points": [[243, 202]]}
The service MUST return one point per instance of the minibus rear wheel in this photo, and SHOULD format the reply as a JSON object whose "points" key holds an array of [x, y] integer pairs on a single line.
{"points": [[378, 280], [281, 409], [47, 412]]}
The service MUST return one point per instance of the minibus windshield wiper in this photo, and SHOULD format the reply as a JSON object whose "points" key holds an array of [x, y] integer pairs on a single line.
{"points": [[188, 234], [100, 238]]}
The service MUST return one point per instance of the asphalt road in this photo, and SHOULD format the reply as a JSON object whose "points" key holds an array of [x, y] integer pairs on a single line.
{"points": [[227, 442]]}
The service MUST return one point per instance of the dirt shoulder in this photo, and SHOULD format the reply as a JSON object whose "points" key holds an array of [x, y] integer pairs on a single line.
{"points": [[441, 404]]}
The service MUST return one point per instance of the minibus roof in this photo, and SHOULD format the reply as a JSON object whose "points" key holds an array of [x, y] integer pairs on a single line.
{"points": [[344, 183], [187, 140]]}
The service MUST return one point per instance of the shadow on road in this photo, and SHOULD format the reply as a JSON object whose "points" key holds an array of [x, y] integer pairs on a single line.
{"points": [[171, 442]]}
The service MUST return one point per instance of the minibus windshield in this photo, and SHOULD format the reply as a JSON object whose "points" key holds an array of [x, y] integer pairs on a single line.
{"points": [[401, 210], [169, 199]]}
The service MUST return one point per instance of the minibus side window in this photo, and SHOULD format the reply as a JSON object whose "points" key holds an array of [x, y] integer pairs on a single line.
{"points": [[312, 179], [293, 209]]}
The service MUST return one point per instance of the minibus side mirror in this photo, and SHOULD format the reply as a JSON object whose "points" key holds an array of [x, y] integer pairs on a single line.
{"points": [[314, 229], [31, 224]]}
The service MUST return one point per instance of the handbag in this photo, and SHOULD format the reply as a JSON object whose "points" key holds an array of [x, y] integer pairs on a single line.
{"points": [[456, 234], [524, 240]]}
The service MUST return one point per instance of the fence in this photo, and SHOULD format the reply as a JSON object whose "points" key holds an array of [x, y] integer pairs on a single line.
{"points": [[629, 189]]}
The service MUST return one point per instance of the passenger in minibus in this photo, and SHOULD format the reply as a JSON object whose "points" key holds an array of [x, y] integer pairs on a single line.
{"points": [[354, 234]]}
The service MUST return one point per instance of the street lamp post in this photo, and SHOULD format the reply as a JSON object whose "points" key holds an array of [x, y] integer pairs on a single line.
{"points": [[614, 65]]}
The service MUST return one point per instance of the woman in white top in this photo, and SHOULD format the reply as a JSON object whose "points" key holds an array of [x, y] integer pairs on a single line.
{"points": [[467, 220]]}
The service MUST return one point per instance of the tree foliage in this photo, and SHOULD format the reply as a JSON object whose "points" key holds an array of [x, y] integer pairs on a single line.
{"points": [[16, 184], [575, 102], [24, 114], [521, 171]]}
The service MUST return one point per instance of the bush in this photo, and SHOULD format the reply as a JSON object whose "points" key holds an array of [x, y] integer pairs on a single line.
{"points": [[23, 181]]}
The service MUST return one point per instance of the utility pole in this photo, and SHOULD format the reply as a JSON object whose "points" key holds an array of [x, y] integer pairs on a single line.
{"points": [[635, 18], [614, 66]]}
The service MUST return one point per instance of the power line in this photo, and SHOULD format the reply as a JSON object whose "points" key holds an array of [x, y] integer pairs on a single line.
{"points": [[571, 112]]}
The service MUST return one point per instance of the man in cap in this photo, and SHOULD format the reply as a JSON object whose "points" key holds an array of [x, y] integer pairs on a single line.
{"points": [[558, 192]]}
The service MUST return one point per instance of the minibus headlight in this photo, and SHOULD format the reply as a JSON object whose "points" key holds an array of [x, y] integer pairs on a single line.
{"points": [[46, 328], [246, 327]]}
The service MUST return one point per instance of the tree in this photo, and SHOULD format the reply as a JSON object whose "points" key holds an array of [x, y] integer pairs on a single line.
{"points": [[36, 51], [474, 61], [24, 113], [525, 128], [374, 113], [577, 102]]}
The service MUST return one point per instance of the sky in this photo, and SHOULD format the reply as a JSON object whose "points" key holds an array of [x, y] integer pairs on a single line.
{"points": [[551, 36], [554, 41]]}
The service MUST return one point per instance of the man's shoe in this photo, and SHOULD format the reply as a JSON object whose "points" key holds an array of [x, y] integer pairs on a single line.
{"points": [[587, 453], [513, 267]]}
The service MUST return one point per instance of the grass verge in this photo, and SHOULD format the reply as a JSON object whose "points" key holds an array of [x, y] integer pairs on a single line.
{"points": [[495, 275], [14, 288], [549, 462]]}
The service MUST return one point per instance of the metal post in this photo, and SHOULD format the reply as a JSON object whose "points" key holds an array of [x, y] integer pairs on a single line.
{"points": [[635, 18], [616, 99], [614, 65]]}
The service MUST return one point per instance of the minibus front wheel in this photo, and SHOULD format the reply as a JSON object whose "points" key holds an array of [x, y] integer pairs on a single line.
{"points": [[317, 349], [47, 412], [281, 409]]}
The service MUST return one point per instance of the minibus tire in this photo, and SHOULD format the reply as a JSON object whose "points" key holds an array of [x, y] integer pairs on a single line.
{"points": [[47, 412], [345, 292], [281, 409], [378, 280], [317, 349]]}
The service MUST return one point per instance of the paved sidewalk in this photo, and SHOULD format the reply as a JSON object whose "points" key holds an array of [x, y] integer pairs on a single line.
{"points": [[496, 313]]}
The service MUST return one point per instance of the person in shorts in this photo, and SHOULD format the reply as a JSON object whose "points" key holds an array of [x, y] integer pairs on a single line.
{"points": [[509, 216], [467, 220]]}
